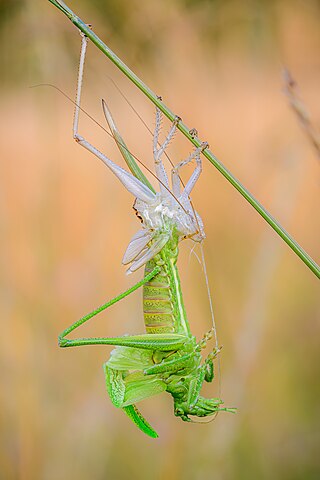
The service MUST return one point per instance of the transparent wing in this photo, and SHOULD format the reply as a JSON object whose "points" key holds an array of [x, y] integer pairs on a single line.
{"points": [[136, 245], [151, 252]]}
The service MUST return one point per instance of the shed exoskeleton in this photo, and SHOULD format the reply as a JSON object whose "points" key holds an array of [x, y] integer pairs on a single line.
{"points": [[167, 357]]}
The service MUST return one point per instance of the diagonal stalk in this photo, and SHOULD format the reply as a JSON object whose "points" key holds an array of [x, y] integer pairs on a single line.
{"points": [[302, 254]]}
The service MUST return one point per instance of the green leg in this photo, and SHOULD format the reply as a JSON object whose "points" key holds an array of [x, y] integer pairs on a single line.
{"points": [[87, 317], [199, 406], [208, 364], [164, 342], [171, 366], [209, 370], [195, 387]]}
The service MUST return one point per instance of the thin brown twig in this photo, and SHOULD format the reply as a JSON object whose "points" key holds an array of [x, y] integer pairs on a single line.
{"points": [[299, 108]]}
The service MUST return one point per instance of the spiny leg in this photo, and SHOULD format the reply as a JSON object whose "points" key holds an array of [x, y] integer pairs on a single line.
{"points": [[208, 363], [190, 402], [171, 366], [87, 317], [159, 167], [157, 129], [164, 342], [159, 150], [206, 338], [195, 175], [195, 404], [197, 380], [131, 183], [84, 43], [175, 177], [195, 387]]}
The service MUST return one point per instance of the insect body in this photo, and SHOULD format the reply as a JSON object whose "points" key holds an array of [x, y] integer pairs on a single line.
{"points": [[167, 357]]}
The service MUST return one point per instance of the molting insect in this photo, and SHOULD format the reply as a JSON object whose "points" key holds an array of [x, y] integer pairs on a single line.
{"points": [[167, 357]]}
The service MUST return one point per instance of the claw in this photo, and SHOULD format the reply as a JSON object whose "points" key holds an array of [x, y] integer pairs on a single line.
{"points": [[193, 132], [204, 145]]}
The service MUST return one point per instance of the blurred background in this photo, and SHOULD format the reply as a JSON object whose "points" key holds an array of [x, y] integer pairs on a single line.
{"points": [[65, 223]]}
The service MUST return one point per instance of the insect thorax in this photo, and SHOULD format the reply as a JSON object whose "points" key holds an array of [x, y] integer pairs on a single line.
{"points": [[170, 215]]}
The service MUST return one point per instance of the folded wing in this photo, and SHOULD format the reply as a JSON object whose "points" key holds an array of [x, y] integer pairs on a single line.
{"points": [[137, 244], [156, 246]]}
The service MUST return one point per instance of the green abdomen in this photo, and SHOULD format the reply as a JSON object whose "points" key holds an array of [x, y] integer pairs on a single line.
{"points": [[157, 302], [163, 306]]}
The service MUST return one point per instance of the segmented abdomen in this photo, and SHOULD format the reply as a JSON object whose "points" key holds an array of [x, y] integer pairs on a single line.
{"points": [[157, 303]]}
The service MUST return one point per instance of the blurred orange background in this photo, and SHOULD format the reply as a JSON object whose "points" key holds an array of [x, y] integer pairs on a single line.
{"points": [[66, 222]]}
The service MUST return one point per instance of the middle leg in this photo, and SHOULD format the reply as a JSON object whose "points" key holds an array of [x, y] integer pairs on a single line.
{"points": [[176, 187]]}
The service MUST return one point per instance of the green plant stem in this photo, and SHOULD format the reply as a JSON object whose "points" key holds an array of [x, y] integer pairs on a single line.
{"points": [[307, 260]]}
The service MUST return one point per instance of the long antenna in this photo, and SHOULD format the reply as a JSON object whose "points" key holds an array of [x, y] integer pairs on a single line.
{"points": [[214, 328]]}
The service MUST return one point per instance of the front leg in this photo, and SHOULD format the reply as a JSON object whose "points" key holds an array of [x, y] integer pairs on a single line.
{"points": [[195, 175], [208, 364], [191, 403]]}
